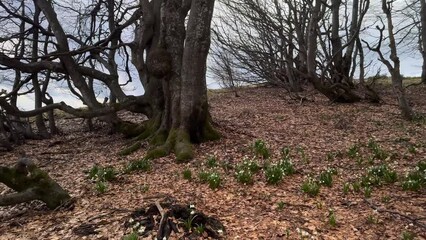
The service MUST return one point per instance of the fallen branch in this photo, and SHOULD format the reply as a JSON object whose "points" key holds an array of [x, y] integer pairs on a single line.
{"points": [[381, 210], [31, 183]]}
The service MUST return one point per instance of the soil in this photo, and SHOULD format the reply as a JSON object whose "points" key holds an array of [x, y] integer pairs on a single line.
{"points": [[247, 211]]}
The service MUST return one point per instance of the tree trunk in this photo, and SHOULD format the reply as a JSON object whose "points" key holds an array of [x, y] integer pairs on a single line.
{"points": [[394, 70], [173, 73], [423, 37]]}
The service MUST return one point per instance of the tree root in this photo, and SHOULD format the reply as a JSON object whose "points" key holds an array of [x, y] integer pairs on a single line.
{"points": [[31, 183]]}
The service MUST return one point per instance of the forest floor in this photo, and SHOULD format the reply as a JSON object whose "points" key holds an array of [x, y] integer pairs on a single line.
{"points": [[360, 143]]}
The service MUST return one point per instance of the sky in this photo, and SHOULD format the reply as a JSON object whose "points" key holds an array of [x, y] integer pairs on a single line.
{"points": [[411, 62]]}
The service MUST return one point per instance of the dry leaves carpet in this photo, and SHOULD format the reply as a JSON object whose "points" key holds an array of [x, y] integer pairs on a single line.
{"points": [[257, 211]]}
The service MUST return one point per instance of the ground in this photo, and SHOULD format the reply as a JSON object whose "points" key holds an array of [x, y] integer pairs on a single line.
{"points": [[313, 131]]}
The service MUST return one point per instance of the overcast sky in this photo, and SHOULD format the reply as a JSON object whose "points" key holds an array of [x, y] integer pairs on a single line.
{"points": [[410, 66]]}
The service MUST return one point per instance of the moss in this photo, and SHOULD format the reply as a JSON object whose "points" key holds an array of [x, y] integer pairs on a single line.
{"points": [[127, 151], [159, 138], [129, 129], [183, 147], [157, 152], [43, 187], [151, 127], [209, 133]]}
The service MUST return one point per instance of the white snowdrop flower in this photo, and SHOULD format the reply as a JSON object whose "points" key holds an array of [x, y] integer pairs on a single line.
{"points": [[192, 212], [131, 220], [191, 206], [141, 229], [220, 231]]}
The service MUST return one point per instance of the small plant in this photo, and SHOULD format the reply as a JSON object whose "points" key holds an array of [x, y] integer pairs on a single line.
{"points": [[356, 186], [203, 176], [332, 221], [245, 170], [261, 150], [281, 205], [143, 165], [286, 166], [98, 173], [326, 177], [214, 180], [187, 174], [386, 199], [416, 180], [110, 174], [199, 229], [311, 187], [285, 153], [131, 236], [301, 152], [331, 156], [379, 175], [211, 161], [371, 219], [273, 174], [187, 224], [244, 176], [346, 188], [101, 187], [406, 235], [353, 151], [367, 191], [378, 152]]}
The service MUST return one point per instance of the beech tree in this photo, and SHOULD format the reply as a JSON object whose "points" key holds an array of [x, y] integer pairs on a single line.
{"points": [[289, 43], [171, 40]]}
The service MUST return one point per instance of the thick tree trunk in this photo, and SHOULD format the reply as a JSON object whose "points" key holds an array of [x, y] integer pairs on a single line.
{"points": [[31, 183], [173, 75]]}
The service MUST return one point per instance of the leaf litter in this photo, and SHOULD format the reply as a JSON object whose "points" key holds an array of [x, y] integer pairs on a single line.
{"points": [[322, 131]]}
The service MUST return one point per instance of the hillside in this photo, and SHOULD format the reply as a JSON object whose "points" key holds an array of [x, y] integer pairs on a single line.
{"points": [[357, 145]]}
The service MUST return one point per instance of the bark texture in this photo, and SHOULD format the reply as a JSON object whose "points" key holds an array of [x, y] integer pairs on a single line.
{"points": [[31, 183], [171, 60]]}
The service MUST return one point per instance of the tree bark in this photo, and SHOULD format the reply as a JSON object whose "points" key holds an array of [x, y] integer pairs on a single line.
{"points": [[394, 70], [31, 183], [172, 70], [423, 37]]}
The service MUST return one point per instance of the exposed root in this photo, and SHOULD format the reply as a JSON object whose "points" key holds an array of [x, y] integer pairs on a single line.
{"points": [[131, 149]]}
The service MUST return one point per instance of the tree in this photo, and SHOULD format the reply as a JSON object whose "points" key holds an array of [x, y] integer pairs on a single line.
{"points": [[395, 68], [169, 51], [287, 43], [423, 37]]}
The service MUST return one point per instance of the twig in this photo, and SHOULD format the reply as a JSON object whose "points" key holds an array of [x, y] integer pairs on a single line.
{"points": [[380, 210]]}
